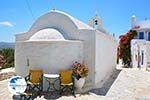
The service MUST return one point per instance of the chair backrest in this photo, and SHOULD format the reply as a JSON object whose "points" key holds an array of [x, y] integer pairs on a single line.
{"points": [[66, 76], [35, 75]]}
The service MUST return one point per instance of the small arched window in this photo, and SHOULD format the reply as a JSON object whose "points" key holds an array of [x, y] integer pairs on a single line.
{"points": [[96, 22]]}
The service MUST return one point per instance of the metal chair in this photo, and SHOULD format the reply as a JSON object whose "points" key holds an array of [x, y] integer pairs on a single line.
{"points": [[67, 81], [35, 80], [27, 95]]}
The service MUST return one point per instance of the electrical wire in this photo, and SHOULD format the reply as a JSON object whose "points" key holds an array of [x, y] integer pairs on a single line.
{"points": [[30, 10]]}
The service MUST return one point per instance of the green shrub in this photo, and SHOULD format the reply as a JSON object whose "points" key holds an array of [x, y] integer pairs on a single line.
{"points": [[124, 51], [8, 55]]}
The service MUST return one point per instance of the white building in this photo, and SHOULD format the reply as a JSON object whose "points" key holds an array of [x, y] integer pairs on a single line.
{"points": [[142, 27], [56, 40], [140, 45]]}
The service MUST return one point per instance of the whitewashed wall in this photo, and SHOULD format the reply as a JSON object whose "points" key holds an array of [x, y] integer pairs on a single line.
{"points": [[148, 53], [88, 38], [137, 48], [106, 57], [140, 46], [50, 56]]}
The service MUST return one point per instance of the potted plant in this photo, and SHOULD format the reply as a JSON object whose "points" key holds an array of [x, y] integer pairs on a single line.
{"points": [[80, 71]]}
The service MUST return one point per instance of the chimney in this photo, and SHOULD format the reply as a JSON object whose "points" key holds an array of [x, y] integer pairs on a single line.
{"points": [[133, 21]]}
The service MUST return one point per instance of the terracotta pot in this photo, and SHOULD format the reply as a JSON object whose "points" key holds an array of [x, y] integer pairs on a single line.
{"points": [[79, 83]]}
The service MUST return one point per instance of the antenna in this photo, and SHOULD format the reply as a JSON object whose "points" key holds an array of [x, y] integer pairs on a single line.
{"points": [[96, 12], [54, 9], [96, 8], [53, 5]]}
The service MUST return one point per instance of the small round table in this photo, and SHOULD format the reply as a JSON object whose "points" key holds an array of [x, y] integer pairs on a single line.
{"points": [[51, 79]]}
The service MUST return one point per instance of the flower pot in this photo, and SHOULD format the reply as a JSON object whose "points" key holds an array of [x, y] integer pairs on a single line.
{"points": [[79, 83]]}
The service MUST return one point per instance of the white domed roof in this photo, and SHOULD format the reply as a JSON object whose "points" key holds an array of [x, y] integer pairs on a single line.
{"points": [[56, 17], [47, 34]]}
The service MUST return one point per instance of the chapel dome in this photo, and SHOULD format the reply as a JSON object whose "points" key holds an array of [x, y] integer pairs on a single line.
{"points": [[47, 34], [56, 18]]}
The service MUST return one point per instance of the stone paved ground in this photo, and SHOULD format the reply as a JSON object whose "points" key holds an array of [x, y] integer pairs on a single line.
{"points": [[106, 86], [90, 96], [6, 95], [5, 74], [95, 94], [131, 84]]}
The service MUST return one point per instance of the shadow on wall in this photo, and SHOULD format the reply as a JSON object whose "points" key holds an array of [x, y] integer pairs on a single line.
{"points": [[106, 86]]}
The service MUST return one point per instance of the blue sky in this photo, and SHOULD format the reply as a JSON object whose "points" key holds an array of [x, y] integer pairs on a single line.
{"points": [[16, 17]]}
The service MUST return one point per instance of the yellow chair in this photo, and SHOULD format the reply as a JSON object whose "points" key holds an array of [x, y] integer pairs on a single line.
{"points": [[35, 80], [66, 81]]}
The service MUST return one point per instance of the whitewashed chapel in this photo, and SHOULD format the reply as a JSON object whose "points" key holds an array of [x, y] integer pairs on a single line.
{"points": [[56, 40]]}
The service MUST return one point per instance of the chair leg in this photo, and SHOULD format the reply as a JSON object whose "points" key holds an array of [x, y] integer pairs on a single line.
{"points": [[61, 90], [74, 94], [73, 91], [21, 97], [32, 97]]}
